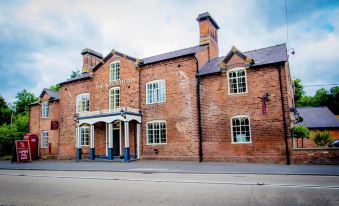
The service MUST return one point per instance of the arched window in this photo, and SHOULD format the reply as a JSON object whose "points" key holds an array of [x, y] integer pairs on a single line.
{"points": [[84, 135], [114, 98], [240, 129], [82, 104]]}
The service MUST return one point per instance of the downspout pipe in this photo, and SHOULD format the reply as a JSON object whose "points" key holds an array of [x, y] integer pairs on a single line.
{"points": [[199, 110], [288, 161]]}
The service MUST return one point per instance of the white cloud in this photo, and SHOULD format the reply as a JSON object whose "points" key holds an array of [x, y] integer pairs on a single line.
{"points": [[56, 31]]}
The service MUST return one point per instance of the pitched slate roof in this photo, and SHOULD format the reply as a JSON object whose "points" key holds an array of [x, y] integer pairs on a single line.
{"points": [[80, 77], [171, 55], [318, 117], [262, 56], [52, 94]]}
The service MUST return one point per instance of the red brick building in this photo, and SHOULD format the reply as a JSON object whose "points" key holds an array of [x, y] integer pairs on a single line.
{"points": [[190, 104]]}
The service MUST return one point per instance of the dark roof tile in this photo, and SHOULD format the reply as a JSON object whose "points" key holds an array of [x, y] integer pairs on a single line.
{"points": [[80, 77], [53, 94], [262, 56], [317, 117], [171, 55]]}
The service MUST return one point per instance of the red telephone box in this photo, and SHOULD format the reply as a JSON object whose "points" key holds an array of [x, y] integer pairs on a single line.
{"points": [[33, 144]]}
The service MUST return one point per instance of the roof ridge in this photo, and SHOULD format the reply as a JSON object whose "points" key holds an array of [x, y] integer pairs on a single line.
{"points": [[265, 47], [313, 107], [173, 51]]}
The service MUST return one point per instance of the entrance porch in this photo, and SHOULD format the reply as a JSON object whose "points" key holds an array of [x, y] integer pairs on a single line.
{"points": [[110, 134]]}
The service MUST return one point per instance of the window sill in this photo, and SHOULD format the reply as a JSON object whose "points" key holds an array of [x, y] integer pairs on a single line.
{"points": [[238, 94], [241, 143], [44, 117], [155, 103], [156, 144]]}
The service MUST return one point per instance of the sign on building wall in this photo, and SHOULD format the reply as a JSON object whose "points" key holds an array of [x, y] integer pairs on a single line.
{"points": [[23, 151], [54, 125], [116, 83]]}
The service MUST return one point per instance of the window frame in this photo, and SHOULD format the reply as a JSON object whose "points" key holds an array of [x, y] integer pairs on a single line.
{"points": [[76, 104], [249, 126], [81, 135], [228, 81], [113, 76], [44, 110], [152, 82], [109, 98], [42, 139], [147, 132]]}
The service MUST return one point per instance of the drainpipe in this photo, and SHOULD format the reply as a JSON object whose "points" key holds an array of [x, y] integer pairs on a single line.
{"points": [[288, 162], [199, 109]]}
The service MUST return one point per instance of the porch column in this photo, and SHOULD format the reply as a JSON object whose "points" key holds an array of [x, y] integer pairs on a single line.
{"points": [[120, 142], [110, 141], [126, 151], [138, 140], [92, 149], [78, 141]]}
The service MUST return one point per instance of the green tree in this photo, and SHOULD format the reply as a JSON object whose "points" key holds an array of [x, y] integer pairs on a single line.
{"points": [[55, 87], [305, 101], [321, 97], [5, 112], [21, 122], [7, 134], [333, 100], [302, 132], [298, 90], [24, 99]]}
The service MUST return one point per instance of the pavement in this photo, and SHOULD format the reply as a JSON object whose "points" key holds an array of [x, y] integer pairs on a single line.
{"points": [[157, 166], [41, 187]]}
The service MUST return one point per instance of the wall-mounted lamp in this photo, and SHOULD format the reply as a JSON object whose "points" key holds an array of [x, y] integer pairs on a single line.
{"points": [[292, 51], [75, 117], [123, 113]]}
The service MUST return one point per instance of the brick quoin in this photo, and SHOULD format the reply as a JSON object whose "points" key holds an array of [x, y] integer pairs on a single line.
{"points": [[189, 74]]}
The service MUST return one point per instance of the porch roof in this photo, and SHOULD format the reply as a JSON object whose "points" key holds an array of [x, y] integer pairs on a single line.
{"points": [[109, 116]]}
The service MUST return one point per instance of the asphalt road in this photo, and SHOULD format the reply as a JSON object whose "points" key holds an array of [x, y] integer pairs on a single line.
{"points": [[25, 187]]}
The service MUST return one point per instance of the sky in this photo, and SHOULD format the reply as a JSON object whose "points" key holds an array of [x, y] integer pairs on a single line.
{"points": [[41, 41]]}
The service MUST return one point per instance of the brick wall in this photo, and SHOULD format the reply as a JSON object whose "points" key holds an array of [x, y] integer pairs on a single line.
{"points": [[179, 111], [37, 124], [217, 107], [316, 156], [68, 93]]}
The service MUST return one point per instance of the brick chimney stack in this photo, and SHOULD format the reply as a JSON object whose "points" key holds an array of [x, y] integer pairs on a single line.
{"points": [[209, 34], [90, 59]]}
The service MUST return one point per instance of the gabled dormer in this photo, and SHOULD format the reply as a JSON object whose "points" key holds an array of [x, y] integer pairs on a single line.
{"points": [[235, 58]]}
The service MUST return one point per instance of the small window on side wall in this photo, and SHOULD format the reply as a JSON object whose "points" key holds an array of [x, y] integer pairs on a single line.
{"points": [[44, 110], [237, 81], [241, 129], [44, 139]]}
